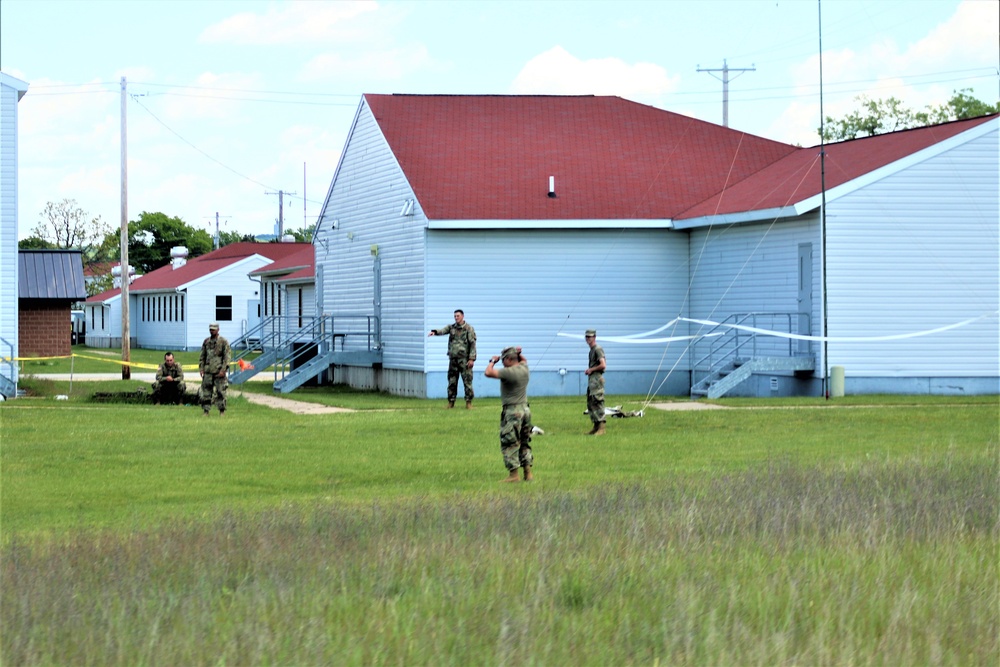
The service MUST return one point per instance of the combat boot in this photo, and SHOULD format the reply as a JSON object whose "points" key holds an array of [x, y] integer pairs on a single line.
{"points": [[593, 430], [450, 405], [527, 473], [512, 477], [468, 405], [600, 429]]}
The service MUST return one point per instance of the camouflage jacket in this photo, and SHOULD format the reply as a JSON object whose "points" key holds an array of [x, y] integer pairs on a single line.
{"points": [[461, 340], [175, 372], [215, 356]]}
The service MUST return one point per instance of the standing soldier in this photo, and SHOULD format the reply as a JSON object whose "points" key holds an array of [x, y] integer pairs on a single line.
{"points": [[461, 356], [515, 417], [213, 364], [595, 383]]}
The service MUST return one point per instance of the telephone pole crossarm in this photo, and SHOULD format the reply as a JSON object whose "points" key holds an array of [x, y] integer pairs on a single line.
{"points": [[281, 210], [726, 69]]}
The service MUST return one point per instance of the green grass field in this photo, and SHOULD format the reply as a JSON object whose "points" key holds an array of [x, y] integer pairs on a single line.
{"points": [[796, 531]]}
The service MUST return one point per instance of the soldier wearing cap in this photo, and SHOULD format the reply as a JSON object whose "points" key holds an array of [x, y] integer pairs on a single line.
{"points": [[515, 418], [213, 364], [596, 365], [461, 356]]}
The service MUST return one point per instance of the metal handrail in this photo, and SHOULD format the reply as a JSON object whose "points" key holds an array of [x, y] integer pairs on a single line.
{"points": [[726, 343], [8, 362], [277, 335]]}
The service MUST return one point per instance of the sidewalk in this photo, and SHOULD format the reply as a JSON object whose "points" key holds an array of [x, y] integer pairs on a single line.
{"points": [[144, 376]]}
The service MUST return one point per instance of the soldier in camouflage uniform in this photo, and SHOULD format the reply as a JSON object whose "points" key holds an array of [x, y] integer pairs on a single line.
{"points": [[461, 356], [213, 364], [515, 418], [169, 385], [596, 365]]}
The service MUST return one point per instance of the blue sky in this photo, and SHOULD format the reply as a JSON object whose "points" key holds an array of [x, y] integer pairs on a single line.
{"points": [[230, 101]]}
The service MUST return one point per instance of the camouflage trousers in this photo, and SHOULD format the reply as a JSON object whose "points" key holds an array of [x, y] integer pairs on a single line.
{"points": [[459, 366], [213, 392], [515, 436], [170, 392], [595, 397]]}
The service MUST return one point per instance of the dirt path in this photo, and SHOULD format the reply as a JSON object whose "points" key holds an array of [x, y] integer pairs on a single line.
{"points": [[296, 407], [687, 405]]}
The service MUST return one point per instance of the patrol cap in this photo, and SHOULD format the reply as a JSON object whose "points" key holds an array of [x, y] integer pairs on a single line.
{"points": [[509, 352], [590, 332], [214, 326]]}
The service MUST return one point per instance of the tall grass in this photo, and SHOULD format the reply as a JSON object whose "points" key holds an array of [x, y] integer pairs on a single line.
{"points": [[891, 563], [861, 536]]}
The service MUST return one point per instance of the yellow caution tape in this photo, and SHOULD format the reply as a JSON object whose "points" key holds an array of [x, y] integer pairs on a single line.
{"points": [[131, 364]]}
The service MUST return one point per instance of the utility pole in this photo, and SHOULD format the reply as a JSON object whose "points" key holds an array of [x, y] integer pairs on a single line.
{"points": [[126, 333], [216, 238], [726, 69], [281, 210]]}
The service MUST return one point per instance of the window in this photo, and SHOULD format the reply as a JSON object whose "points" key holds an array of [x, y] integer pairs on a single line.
{"points": [[300, 307], [224, 308]]}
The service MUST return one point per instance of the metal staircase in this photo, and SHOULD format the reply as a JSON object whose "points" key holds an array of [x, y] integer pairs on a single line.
{"points": [[8, 370], [726, 356], [298, 349]]}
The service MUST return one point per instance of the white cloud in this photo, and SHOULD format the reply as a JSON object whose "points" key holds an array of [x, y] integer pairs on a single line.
{"points": [[387, 64], [293, 23], [557, 72], [916, 74]]}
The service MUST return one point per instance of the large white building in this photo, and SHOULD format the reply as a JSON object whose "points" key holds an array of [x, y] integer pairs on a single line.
{"points": [[544, 216]]}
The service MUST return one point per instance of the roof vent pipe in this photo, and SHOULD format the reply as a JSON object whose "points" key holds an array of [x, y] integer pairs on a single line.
{"points": [[178, 256], [552, 186]]}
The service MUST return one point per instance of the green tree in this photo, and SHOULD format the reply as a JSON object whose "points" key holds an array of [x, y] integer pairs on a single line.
{"points": [[35, 243], [303, 235], [962, 105], [225, 238], [66, 225], [881, 116], [151, 237]]}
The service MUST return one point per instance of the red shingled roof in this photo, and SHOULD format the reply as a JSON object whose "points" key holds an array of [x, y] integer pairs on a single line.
{"points": [[167, 277], [104, 296], [301, 259], [484, 157], [797, 176]]}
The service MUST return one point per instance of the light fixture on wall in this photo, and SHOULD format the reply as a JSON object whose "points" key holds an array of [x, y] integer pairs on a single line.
{"points": [[407, 209]]}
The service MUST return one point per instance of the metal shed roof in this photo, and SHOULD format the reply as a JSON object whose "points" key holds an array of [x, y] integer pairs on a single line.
{"points": [[50, 274]]}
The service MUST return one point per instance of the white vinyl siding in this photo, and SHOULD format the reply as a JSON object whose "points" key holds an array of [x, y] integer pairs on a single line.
{"points": [[8, 227], [753, 268], [366, 198], [104, 323], [526, 287], [916, 251]]}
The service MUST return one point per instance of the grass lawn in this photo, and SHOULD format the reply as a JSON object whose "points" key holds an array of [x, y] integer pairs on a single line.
{"points": [[795, 531]]}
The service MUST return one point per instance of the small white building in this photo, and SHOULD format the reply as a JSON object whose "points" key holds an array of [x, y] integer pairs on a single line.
{"points": [[170, 308], [287, 292]]}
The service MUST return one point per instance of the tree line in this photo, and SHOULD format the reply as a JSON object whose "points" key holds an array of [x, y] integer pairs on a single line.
{"points": [[65, 225]]}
